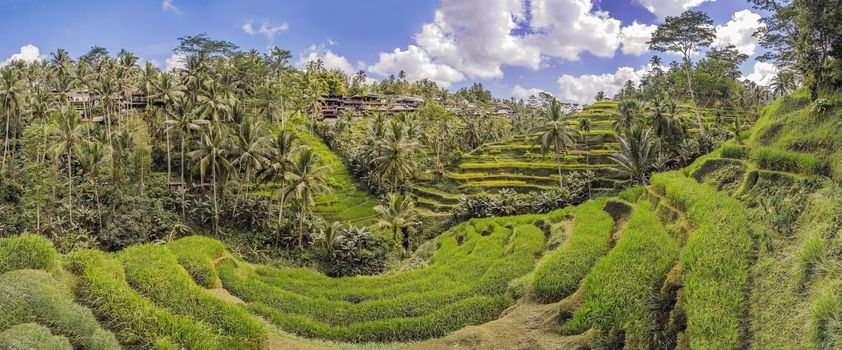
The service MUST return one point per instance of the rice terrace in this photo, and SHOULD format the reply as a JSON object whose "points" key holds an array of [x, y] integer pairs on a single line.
{"points": [[429, 174]]}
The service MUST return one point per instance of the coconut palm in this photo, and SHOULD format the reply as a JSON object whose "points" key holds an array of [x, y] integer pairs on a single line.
{"points": [[557, 134], [93, 157], [215, 102], [167, 89], [212, 153], [394, 157], [397, 214], [636, 154], [251, 147], [584, 129], [12, 90], [282, 152], [183, 118], [658, 118], [66, 134], [628, 113], [305, 178]]}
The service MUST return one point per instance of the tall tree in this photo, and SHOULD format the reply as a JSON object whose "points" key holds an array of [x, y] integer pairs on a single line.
{"points": [[305, 179], [397, 213], [636, 154], [12, 90], [685, 35], [212, 153], [66, 134], [557, 134]]}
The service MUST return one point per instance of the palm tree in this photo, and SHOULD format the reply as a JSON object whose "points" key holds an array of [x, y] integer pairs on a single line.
{"points": [[184, 119], [636, 154], [92, 158], [215, 102], [212, 152], [12, 89], [304, 179], [251, 147], [627, 114], [66, 134], [282, 151], [557, 134], [398, 214], [584, 129], [783, 82], [394, 157], [167, 89], [658, 119]]}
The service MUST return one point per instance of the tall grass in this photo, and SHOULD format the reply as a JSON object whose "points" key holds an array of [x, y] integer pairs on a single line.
{"points": [[468, 288], [621, 290], [715, 261], [27, 252], [560, 272], [35, 296], [781, 160], [29, 336], [196, 255], [154, 272], [101, 285]]}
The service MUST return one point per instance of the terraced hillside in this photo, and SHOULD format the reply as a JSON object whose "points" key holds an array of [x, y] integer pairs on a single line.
{"points": [[739, 250], [348, 202], [519, 165]]}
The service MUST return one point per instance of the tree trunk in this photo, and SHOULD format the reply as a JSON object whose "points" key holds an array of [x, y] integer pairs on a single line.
{"points": [[183, 183], [558, 165], [689, 70], [169, 158], [215, 204], [69, 186], [6, 140], [98, 205]]}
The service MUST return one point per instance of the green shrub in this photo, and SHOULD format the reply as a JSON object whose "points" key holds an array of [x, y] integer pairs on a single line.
{"points": [[154, 272], [101, 285], [196, 255], [560, 272], [732, 151], [715, 261], [775, 159], [29, 336], [27, 252], [621, 288], [34, 296]]}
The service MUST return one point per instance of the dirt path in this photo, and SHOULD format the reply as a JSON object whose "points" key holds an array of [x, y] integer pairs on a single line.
{"points": [[526, 325]]}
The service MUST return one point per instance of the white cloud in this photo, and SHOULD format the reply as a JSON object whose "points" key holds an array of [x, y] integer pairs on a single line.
{"points": [[175, 61], [664, 8], [269, 30], [566, 28], [739, 31], [28, 53], [168, 6], [583, 88], [248, 28], [763, 73], [330, 59], [522, 93], [474, 39], [635, 38], [418, 65]]}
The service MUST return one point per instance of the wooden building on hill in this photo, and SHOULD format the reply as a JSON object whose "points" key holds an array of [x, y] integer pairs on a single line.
{"points": [[334, 106]]}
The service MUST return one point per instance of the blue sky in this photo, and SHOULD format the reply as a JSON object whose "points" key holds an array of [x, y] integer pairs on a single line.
{"points": [[570, 48]]}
